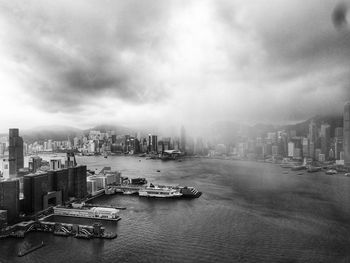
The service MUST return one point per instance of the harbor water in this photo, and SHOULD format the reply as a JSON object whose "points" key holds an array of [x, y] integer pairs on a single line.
{"points": [[248, 212]]}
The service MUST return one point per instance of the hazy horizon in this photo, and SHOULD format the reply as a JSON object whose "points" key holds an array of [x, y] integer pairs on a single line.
{"points": [[171, 63]]}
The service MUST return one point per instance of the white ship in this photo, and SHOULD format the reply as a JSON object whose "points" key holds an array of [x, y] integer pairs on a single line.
{"points": [[163, 192]]}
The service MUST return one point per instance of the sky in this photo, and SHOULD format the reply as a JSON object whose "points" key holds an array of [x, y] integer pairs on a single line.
{"points": [[169, 63]]}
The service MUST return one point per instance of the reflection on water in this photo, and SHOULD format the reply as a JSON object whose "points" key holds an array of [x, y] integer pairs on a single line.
{"points": [[249, 212]]}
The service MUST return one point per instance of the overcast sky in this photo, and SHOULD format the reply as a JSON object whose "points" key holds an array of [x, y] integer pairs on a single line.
{"points": [[82, 63]]}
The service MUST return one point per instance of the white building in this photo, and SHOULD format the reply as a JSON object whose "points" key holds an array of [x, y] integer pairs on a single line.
{"points": [[290, 149]]}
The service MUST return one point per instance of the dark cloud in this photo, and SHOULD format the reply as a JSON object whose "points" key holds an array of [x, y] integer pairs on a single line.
{"points": [[76, 58], [339, 16], [191, 60]]}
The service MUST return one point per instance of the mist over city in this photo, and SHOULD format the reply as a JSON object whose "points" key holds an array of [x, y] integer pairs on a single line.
{"points": [[174, 131]]}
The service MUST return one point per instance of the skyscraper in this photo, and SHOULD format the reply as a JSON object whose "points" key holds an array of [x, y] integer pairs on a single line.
{"points": [[312, 138], [346, 134], [16, 159], [183, 139], [325, 139]]}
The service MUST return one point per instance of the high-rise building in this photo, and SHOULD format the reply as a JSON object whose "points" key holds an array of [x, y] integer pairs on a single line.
{"points": [[338, 142], [346, 134], [305, 145], [9, 198], [154, 143], [291, 147], [312, 138], [183, 139], [325, 135], [35, 186], [16, 159]]}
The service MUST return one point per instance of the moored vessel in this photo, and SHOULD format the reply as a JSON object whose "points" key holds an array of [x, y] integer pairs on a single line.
{"points": [[162, 192]]}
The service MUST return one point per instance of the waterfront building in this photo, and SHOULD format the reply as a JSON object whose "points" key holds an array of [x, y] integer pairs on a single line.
{"points": [[16, 159], [312, 138], [317, 154], [94, 212], [312, 150], [291, 146], [9, 198], [154, 147], [325, 135], [79, 181], [35, 186], [305, 147], [321, 157], [183, 139], [346, 134], [297, 153], [274, 150], [91, 186]]}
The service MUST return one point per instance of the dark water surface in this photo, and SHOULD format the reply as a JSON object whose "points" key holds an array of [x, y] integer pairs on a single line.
{"points": [[249, 212]]}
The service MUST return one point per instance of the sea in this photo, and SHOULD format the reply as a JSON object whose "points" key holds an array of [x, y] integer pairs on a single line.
{"points": [[248, 212]]}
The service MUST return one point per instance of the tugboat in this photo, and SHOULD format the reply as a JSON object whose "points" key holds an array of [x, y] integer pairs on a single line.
{"points": [[26, 250]]}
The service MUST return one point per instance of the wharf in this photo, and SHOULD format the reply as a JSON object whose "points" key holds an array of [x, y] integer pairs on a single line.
{"points": [[61, 229], [90, 217]]}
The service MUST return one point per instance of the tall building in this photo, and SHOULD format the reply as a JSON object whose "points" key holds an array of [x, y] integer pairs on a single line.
{"points": [[312, 138], [312, 131], [325, 139], [183, 139], [154, 143], [9, 198], [16, 158], [338, 142], [346, 134], [305, 145], [291, 147], [35, 186]]}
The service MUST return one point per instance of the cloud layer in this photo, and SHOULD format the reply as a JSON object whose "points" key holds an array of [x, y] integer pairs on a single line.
{"points": [[172, 62]]}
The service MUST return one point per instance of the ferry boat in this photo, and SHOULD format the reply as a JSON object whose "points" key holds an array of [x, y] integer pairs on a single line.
{"points": [[163, 192]]}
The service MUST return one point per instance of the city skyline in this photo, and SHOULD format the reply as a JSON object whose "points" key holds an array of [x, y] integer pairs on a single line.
{"points": [[190, 63]]}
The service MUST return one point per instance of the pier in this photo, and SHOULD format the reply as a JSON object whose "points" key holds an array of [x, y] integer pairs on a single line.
{"points": [[60, 229]]}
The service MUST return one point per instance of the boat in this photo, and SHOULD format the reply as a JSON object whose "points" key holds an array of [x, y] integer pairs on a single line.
{"points": [[189, 192], [298, 168], [162, 192], [313, 169], [25, 251], [331, 171]]}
